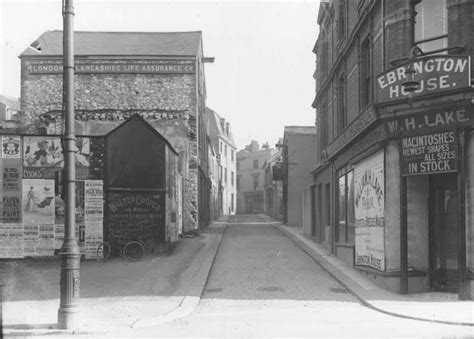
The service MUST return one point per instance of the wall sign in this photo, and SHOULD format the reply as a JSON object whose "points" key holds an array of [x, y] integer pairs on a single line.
{"points": [[369, 211], [434, 73], [429, 153], [54, 66], [424, 121]]}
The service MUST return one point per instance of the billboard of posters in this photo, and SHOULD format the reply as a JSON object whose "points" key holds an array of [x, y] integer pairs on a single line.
{"points": [[369, 211], [38, 201], [30, 239], [11, 241], [11, 146], [46, 241]]}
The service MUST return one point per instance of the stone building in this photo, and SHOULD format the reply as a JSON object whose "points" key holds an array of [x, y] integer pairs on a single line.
{"points": [[273, 187], [222, 141], [298, 161], [393, 192], [251, 176], [118, 74]]}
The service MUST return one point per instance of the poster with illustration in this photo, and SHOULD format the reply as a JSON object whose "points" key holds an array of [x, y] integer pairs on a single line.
{"points": [[42, 151], [11, 146], [38, 201], [369, 211]]}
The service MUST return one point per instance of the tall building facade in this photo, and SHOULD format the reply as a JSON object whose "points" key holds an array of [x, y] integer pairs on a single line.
{"points": [[222, 140], [251, 177], [392, 192]]}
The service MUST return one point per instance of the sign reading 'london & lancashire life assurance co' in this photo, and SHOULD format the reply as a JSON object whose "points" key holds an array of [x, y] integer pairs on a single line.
{"points": [[434, 74], [125, 66], [429, 153]]}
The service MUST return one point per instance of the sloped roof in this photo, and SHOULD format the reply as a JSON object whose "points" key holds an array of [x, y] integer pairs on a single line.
{"points": [[213, 120], [300, 129], [12, 103], [50, 43]]}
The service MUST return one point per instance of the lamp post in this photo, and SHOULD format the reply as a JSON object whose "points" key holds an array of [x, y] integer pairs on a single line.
{"points": [[70, 255]]}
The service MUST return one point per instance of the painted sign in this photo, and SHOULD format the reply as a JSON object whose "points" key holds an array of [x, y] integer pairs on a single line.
{"points": [[54, 66], [366, 118], [429, 153], [136, 213], [434, 74], [369, 211], [11, 147], [437, 118]]}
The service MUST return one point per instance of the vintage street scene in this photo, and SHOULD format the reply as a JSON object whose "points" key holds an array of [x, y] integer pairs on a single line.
{"points": [[236, 169]]}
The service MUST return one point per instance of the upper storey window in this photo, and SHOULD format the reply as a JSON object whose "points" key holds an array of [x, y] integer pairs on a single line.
{"points": [[430, 27]]}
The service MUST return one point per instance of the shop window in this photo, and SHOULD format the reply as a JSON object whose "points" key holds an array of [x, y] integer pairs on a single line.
{"points": [[430, 24], [345, 225], [365, 78], [322, 233]]}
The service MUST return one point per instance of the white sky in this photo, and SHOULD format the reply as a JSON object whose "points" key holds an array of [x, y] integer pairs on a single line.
{"points": [[260, 81]]}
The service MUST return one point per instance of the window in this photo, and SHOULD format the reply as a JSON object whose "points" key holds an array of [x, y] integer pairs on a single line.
{"points": [[232, 178], [225, 174], [324, 124], [238, 183], [341, 17], [366, 81], [328, 204], [341, 104], [237, 165], [255, 163], [345, 226], [232, 155], [430, 23], [255, 181], [220, 172], [225, 152], [232, 202]]}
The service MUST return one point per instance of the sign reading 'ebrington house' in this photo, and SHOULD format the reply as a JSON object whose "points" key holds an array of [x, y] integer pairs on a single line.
{"points": [[434, 74], [124, 66]]}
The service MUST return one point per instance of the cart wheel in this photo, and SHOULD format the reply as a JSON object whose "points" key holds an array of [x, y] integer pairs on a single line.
{"points": [[133, 251], [103, 252]]}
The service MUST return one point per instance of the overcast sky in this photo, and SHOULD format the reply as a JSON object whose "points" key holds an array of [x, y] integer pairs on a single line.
{"points": [[260, 81]]}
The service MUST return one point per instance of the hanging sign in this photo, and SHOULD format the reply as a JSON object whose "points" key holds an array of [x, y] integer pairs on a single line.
{"points": [[429, 153]]}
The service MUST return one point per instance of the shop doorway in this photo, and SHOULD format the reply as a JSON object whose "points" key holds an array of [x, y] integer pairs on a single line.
{"points": [[443, 232]]}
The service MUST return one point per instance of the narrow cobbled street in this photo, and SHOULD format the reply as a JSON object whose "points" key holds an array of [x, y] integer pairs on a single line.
{"points": [[263, 285]]}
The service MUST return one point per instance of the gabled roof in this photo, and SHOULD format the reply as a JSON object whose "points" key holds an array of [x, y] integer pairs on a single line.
{"points": [[50, 43], [138, 117], [213, 120], [300, 130]]}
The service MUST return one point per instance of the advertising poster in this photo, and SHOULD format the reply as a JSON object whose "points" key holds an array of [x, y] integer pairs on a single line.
{"points": [[11, 190], [93, 215], [30, 239], [11, 146], [11, 241], [46, 241], [38, 201], [42, 151], [369, 211], [11, 208], [11, 177]]}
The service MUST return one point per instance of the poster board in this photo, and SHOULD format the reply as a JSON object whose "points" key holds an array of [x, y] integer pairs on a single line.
{"points": [[369, 212]]}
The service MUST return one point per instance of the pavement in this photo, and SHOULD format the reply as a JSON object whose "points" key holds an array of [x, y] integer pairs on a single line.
{"points": [[429, 306], [114, 295]]}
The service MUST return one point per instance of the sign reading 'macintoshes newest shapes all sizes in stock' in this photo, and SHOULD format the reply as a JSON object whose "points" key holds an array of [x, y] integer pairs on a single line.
{"points": [[434, 74]]}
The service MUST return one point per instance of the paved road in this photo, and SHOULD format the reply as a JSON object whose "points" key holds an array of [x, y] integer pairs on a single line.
{"points": [[262, 285]]}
